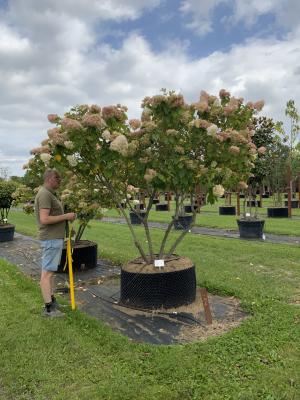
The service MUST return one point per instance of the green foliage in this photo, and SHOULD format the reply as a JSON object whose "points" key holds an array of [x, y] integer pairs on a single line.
{"points": [[291, 138], [6, 190], [264, 137]]}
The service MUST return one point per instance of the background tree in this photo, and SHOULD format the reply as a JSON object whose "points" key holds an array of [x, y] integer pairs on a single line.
{"points": [[291, 138]]}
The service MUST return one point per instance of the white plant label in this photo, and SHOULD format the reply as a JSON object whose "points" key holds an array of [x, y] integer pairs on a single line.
{"points": [[159, 263]]}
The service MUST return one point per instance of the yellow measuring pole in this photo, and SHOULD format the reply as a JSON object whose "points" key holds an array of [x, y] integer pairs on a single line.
{"points": [[70, 268]]}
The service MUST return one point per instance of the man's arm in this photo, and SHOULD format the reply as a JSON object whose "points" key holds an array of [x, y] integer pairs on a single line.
{"points": [[47, 219]]}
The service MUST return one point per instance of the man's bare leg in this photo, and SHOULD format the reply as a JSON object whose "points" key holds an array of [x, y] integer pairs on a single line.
{"points": [[46, 284]]}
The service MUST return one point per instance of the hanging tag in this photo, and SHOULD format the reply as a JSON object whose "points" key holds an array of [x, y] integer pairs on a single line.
{"points": [[159, 263]]}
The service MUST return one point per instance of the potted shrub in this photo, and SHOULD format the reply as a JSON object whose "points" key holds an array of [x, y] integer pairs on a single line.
{"points": [[175, 147], [85, 201], [276, 178], [75, 197], [183, 220], [250, 224], [7, 230], [227, 208]]}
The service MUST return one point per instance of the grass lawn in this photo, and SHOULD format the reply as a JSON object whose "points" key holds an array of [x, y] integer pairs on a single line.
{"points": [[80, 358]]}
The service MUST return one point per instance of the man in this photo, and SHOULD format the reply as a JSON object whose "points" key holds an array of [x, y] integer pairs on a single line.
{"points": [[51, 221]]}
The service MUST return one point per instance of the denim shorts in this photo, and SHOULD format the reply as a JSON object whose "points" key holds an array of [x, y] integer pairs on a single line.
{"points": [[51, 253]]}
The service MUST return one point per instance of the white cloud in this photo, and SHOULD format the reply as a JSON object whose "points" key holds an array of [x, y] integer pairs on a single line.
{"points": [[286, 12], [200, 13], [11, 42], [63, 62]]}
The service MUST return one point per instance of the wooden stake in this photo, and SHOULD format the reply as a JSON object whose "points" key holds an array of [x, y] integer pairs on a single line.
{"points": [[207, 312]]}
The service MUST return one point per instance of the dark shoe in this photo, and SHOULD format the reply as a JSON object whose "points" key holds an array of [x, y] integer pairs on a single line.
{"points": [[53, 313], [56, 306]]}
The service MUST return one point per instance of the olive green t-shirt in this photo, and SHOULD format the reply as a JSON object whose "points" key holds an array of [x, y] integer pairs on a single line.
{"points": [[46, 198]]}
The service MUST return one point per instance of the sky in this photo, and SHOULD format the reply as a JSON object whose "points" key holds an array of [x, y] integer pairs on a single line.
{"points": [[55, 54]]}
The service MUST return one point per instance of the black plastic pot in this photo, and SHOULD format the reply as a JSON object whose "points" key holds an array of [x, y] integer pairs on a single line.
{"points": [[7, 232], [253, 203], [295, 203], [183, 222], [155, 201], [84, 256], [161, 207], [251, 229], [242, 196], [226, 210], [278, 212], [157, 290], [139, 207], [189, 208], [134, 218]]}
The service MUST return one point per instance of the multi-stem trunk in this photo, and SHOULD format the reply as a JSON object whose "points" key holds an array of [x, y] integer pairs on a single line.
{"points": [[170, 226], [118, 202], [181, 237], [146, 226]]}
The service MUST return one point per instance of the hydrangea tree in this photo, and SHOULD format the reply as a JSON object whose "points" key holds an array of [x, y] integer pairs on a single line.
{"points": [[173, 147]]}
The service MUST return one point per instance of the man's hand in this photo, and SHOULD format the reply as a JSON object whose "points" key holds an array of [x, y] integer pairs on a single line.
{"points": [[70, 216]]}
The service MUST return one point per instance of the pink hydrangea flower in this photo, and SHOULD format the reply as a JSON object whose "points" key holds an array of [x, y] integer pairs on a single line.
{"points": [[223, 93], [150, 175], [259, 105], [53, 118], [234, 150], [93, 120], [113, 112], [242, 185], [70, 124], [134, 123], [261, 150], [95, 109]]}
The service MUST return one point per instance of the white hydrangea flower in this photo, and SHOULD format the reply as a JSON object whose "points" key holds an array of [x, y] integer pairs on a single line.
{"points": [[212, 130], [45, 157], [69, 145], [218, 190], [106, 134], [72, 160]]}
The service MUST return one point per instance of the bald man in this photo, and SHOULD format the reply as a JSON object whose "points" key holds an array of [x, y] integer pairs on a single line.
{"points": [[51, 223]]}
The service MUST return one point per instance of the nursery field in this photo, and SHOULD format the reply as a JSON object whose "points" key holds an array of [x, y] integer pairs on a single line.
{"points": [[209, 217], [79, 357]]}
